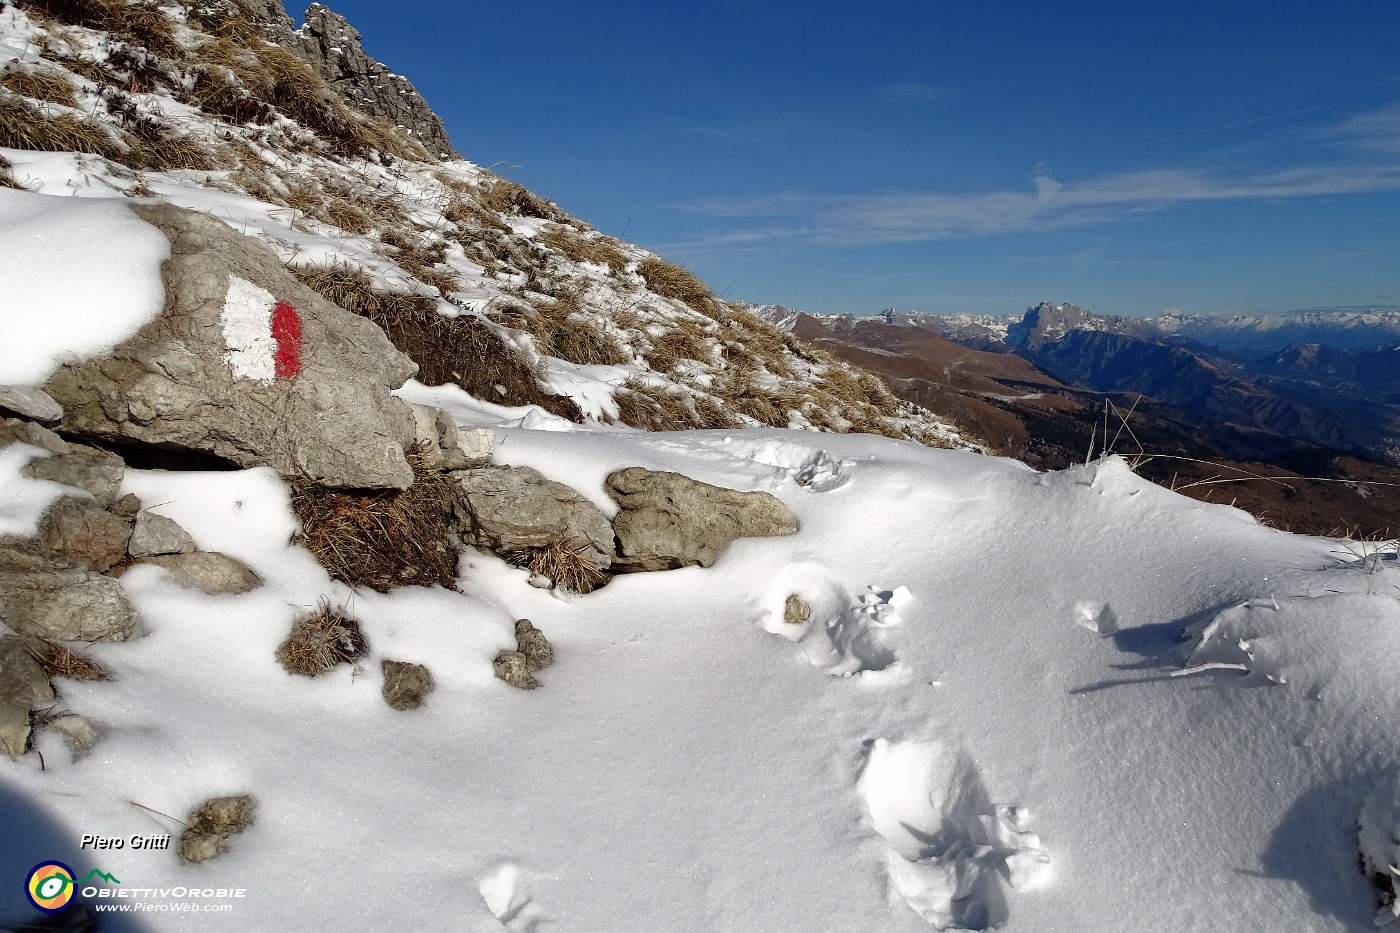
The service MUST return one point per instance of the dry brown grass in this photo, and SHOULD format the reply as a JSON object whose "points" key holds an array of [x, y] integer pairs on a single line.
{"points": [[140, 22], [58, 660], [654, 409], [23, 126], [158, 148], [345, 215], [216, 94], [597, 249], [560, 331], [462, 350], [40, 85], [7, 175], [507, 197], [382, 539], [685, 341], [678, 283], [320, 640], [564, 563]]}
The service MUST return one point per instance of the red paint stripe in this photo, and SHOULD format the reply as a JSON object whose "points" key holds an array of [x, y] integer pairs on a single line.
{"points": [[286, 330]]}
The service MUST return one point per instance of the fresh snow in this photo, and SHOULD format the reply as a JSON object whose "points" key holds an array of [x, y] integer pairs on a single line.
{"points": [[79, 277]]}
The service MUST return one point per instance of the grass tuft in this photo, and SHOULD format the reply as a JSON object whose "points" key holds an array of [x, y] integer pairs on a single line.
{"points": [[564, 563], [678, 283], [597, 249], [58, 660], [321, 640], [382, 539], [507, 197], [23, 126], [40, 85]]}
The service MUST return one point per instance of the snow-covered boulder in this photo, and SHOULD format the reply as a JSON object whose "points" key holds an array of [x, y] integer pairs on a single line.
{"points": [[666, 520], [246, 364]]}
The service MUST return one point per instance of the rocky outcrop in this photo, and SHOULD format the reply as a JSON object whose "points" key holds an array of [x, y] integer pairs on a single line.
{"points": [[666, 520], [23, 687], [332, 46], [209, 572], [532, 653], [154, 535], [83, 533], [406, 685], [211, 823], [95, 471], [248, 365], [63, 603], [29, 402], [515, 509]]}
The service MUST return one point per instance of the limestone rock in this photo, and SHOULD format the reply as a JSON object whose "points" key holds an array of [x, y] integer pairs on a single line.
{"points": [[23, 687], [154, 535], [406, 684], [531, 642], [477, 445], [29, 402], [95, 471], [209, 571], [65, 605], [509, 509], [14, 430], [333, 48], [514, 668], [248, 365], [127, 507], [666, 520], [83, 533], [445, 446], [795, 610], [209, 825]]}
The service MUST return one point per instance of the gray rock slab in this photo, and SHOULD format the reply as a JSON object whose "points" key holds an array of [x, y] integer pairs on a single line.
{"points": [[23, 687], [66, 605], [81, 532], [208, 571], [154, 535], [666, 520], [29, 402], [509, 509]]}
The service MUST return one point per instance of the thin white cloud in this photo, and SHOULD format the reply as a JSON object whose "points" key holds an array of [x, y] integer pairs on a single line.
{"points": [[1375, 131], [1049, 203], [917, 92]]}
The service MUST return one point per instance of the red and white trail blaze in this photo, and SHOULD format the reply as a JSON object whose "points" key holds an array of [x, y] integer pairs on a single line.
{"points": [[263, 335]]}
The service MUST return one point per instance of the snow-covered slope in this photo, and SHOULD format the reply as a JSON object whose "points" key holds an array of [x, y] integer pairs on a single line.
{"points": [[1068, 701]]}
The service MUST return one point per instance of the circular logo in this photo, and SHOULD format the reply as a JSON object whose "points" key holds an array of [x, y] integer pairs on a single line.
{"points": [[50, 886]]}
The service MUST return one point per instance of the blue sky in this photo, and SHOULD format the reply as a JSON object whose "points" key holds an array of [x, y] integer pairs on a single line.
{"points": [[1128, 157]]}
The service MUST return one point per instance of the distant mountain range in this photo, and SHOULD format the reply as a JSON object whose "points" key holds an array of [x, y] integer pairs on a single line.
{"points": [[1243, 388]]}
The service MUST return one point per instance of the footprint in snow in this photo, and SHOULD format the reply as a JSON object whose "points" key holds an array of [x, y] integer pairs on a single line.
{"points": [[837, 632], [951, 850], [506, 892]]}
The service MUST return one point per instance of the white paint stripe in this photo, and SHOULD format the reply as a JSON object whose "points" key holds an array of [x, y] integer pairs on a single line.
{"points": [[247, 321]]}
